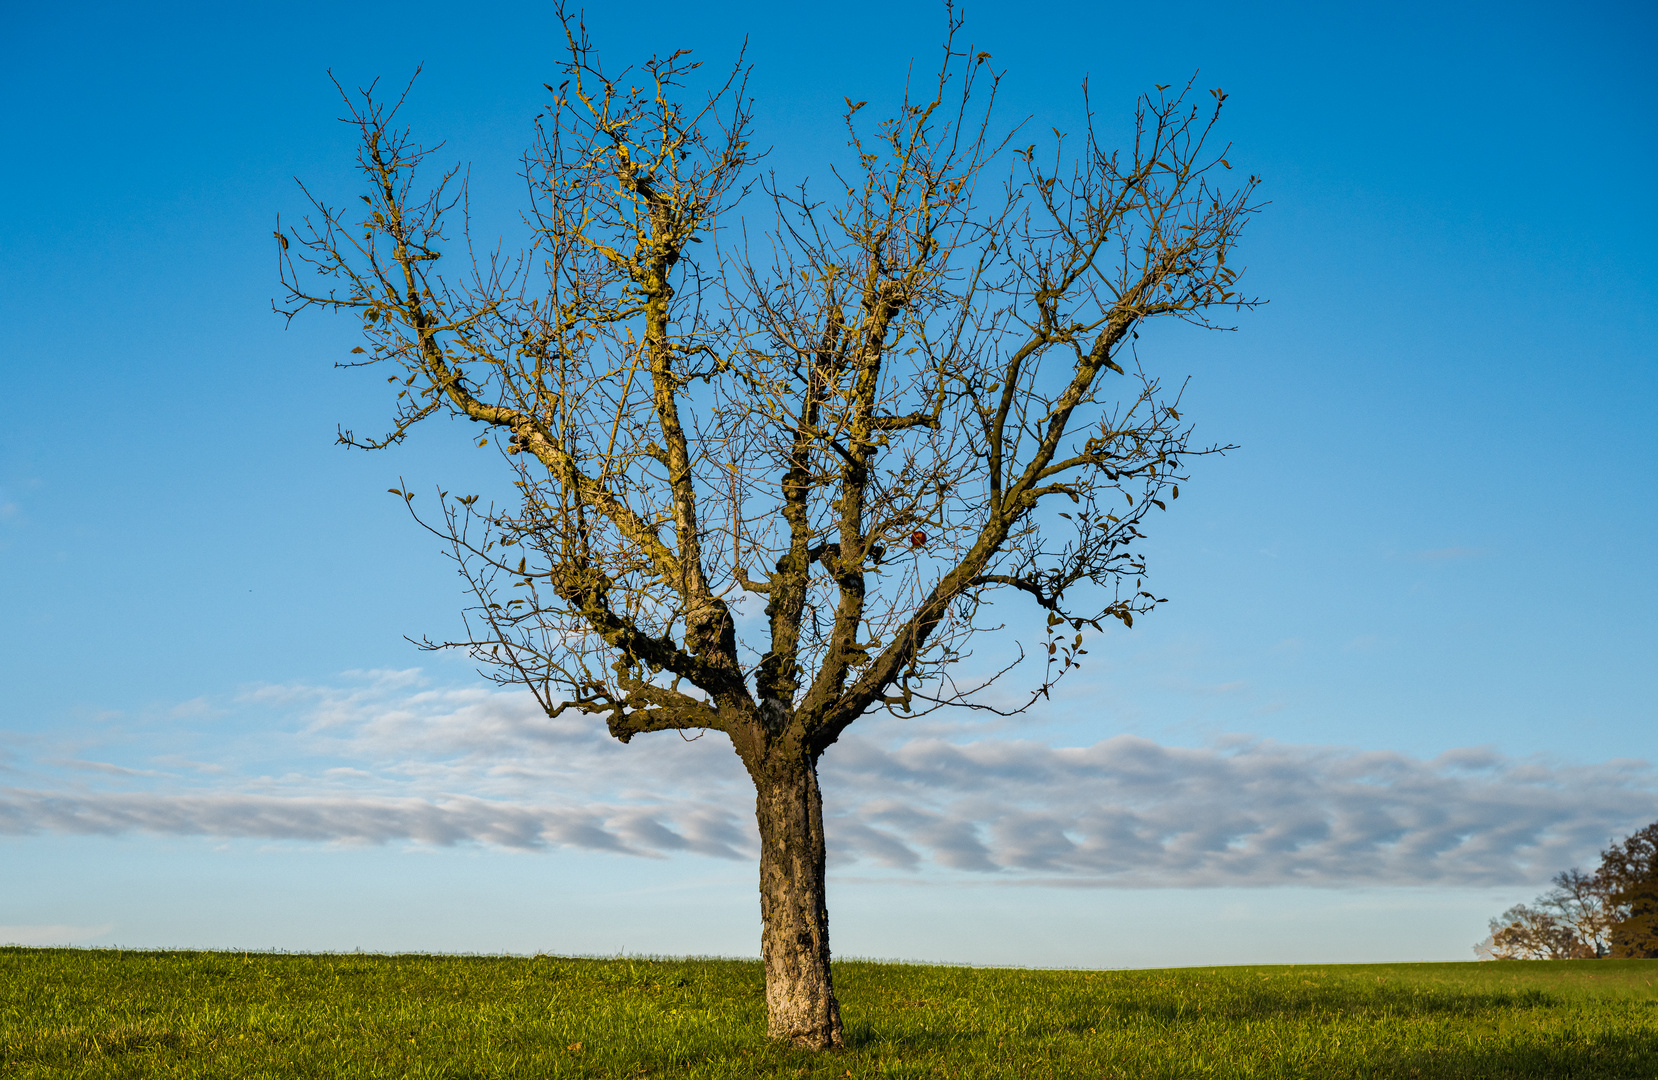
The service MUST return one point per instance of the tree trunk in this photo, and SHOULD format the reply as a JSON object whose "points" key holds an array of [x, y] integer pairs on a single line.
{"points": [[800, 995]]}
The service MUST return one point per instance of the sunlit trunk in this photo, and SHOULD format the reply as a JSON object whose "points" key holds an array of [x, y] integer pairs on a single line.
{"points": [[800, 995]]}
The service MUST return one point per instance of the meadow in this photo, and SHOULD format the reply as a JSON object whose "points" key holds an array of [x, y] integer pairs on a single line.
{"points": [[118, 1013]]}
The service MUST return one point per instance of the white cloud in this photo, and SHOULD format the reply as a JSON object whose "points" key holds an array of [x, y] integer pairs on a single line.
{"points": [[391, 760]]}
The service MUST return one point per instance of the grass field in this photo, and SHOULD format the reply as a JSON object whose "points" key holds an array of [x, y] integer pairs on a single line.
{"points": [[108, 1013]]}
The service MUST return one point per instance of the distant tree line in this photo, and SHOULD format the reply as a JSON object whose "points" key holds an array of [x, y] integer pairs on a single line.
{"points": [[1610, 913]]}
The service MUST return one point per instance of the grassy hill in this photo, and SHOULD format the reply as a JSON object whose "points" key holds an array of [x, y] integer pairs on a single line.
{"points": [[110, 1013]]}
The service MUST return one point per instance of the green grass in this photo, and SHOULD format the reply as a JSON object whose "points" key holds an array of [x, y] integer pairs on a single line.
{"points": [[109, 1013]]}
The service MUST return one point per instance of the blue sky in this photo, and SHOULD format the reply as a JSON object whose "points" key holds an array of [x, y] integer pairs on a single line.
{"points": [[1420, 592]]}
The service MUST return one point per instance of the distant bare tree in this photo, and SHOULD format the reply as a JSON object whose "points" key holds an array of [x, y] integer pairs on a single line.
{"points": [[774, 475], [1528, 933], [1572, 921]]}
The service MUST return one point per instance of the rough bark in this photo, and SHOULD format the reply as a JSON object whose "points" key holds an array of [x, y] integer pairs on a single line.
{"points": [[800, 993]]}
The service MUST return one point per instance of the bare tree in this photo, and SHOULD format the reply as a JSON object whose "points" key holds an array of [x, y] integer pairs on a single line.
{"points": [[1582, 904], [779, 458], [1528, 933], [1572, 921]]}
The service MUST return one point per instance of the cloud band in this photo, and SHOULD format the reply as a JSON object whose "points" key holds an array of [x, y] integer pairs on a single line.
{"points": [[466, 766]]}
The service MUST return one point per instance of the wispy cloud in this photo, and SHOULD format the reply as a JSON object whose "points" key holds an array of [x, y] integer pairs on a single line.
{"points": [[373, 820], [1450, 554], [104, 767], [387, 759], [51, 934]]}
